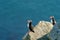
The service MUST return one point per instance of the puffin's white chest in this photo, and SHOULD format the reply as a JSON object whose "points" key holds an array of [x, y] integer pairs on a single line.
{"points": [[52, 21], [27, 24]]}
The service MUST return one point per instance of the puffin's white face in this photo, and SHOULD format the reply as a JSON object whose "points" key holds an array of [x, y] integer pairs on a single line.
{"points": [[28, 22]]}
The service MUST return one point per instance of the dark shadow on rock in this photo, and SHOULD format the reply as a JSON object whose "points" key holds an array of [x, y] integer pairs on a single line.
{"points": [[27, 37], [44, 38]]}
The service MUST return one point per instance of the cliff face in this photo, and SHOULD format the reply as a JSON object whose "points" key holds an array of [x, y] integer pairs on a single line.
{"points": [[41, 29]]}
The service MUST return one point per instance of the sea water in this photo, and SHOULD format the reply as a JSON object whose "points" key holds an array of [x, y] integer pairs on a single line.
{"points": [[15, 13]]}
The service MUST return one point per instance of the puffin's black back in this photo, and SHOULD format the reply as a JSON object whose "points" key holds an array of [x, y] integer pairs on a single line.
{"points": [[53, 21], [30, 27]]}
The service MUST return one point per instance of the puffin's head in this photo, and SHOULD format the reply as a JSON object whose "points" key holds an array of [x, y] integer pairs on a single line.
{"points": [[51, 17], [29, 21]]}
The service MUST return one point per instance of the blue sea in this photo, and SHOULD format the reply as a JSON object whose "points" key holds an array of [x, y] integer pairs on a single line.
{"points": [[15, 13]]}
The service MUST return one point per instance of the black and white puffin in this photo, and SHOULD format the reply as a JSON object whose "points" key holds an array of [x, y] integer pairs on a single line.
{"points": [[53, 21], [30, 25]]}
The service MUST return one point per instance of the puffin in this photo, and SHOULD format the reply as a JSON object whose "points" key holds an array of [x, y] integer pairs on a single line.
{"points": [[53, 21], [30, 26]]}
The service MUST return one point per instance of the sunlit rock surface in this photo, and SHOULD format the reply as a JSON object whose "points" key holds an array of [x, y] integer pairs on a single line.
{"points": [[41, 29]]}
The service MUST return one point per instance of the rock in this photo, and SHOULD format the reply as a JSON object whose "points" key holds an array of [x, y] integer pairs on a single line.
{"points": [[41, 29], [55, 33]]}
